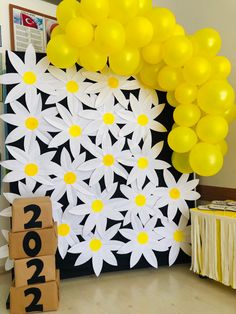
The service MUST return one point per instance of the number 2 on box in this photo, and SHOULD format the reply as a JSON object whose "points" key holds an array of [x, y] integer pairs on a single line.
{"points": [[34, 306], [36, 278], [33, 223]]}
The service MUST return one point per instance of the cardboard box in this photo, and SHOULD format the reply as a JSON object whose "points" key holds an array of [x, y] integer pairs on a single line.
{"points": [[35, 298], [35, 270], [32, 243], [31, 213]]}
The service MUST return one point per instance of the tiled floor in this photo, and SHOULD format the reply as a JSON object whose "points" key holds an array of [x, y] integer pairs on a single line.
{"points": [[173, 290]]}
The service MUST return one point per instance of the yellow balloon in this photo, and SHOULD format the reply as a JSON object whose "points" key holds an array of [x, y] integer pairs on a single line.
{"points": [[208, 41], [66, 11], [197, 70], [170, 96], [169, 78], [182, 139], [95, 11], [110, 36], [79, 32], [179, 30], [186, 93], [123, 10], [163, 21], [92, 59], [177, 51], [152, 53], [223, 147], [60, 53], [221, 67], [57, 31], [216, 96], [144, 6], [139, 32], [230, 114], [125, 62], [205, 159], [181, 162], [187, 115], [212, 129], [148, 75]]}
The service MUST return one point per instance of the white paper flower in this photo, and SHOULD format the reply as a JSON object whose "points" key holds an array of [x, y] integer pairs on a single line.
{"points": [[71, 128], [109, 84], [4, 252], [68, 227], [30, 123], [99, 207], [104, 119], [147, 93], [138, 202], [142, 241], [176, 194], [144, 162], [99, 248], [176, 237], [141, 120], [30, 76], [107, 161], [29, 165], [71, 85]]}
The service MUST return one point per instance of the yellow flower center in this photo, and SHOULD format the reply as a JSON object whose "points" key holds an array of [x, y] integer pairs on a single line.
{"points": [[72, 87], [63, 230], [142, 238], [174, 193], [29, 78], [108, 118], [95, 245], [142, 163], [142, 120], [97, 206], [140, 200], [31, 170], [113, 82], [31, 123], [70, 178], [179, 236], [75, 131], [108, 160]]}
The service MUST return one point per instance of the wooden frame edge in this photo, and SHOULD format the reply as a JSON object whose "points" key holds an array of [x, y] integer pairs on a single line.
{"points": [[210, 193]]}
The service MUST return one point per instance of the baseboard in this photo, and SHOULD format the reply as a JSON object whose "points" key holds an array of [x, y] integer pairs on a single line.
{"points": [[209, 193]]}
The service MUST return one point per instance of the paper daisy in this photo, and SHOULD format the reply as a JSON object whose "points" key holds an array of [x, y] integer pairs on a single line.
{"points": [[139, 202], [176, 237], [141, 120], [145, 162], [99, 247], [29, 165], [176, 194], [142, 242], [104, 119], [99, 207], [109, 84], [68, 227], [107, 161], [4, 252], [30, 123], [71, 128], [71, 85], [30, 76]]}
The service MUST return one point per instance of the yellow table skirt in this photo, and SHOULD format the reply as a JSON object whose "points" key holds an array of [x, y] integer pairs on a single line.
{"points": [[214, 245]]}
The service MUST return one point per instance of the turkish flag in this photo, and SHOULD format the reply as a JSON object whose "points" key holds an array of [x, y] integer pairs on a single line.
{"points": [[28, 21]]}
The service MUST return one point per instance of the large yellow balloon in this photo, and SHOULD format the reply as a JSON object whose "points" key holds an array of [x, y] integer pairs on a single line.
{"points": [[125, 62], [66, 11], [169, 78], [177, 51], [179, 30], [58, 30], [163, 21], [186, 93], [181, 162], [205, 159], [148, 75], [110, 36], [223, 147], [144, 6], [92, 59], [197, 70], [230, 114], [208, 41], [79, 32], [182, 139], [221, 67], [60, 53], [139, 32], [170, 97], [123, 10], [216, 96], [95, 11], [152, 53], [187, 115], [212, 129]]}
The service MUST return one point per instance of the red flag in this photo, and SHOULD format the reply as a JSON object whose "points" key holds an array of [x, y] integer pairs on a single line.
{"points": [[28, 21]]}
